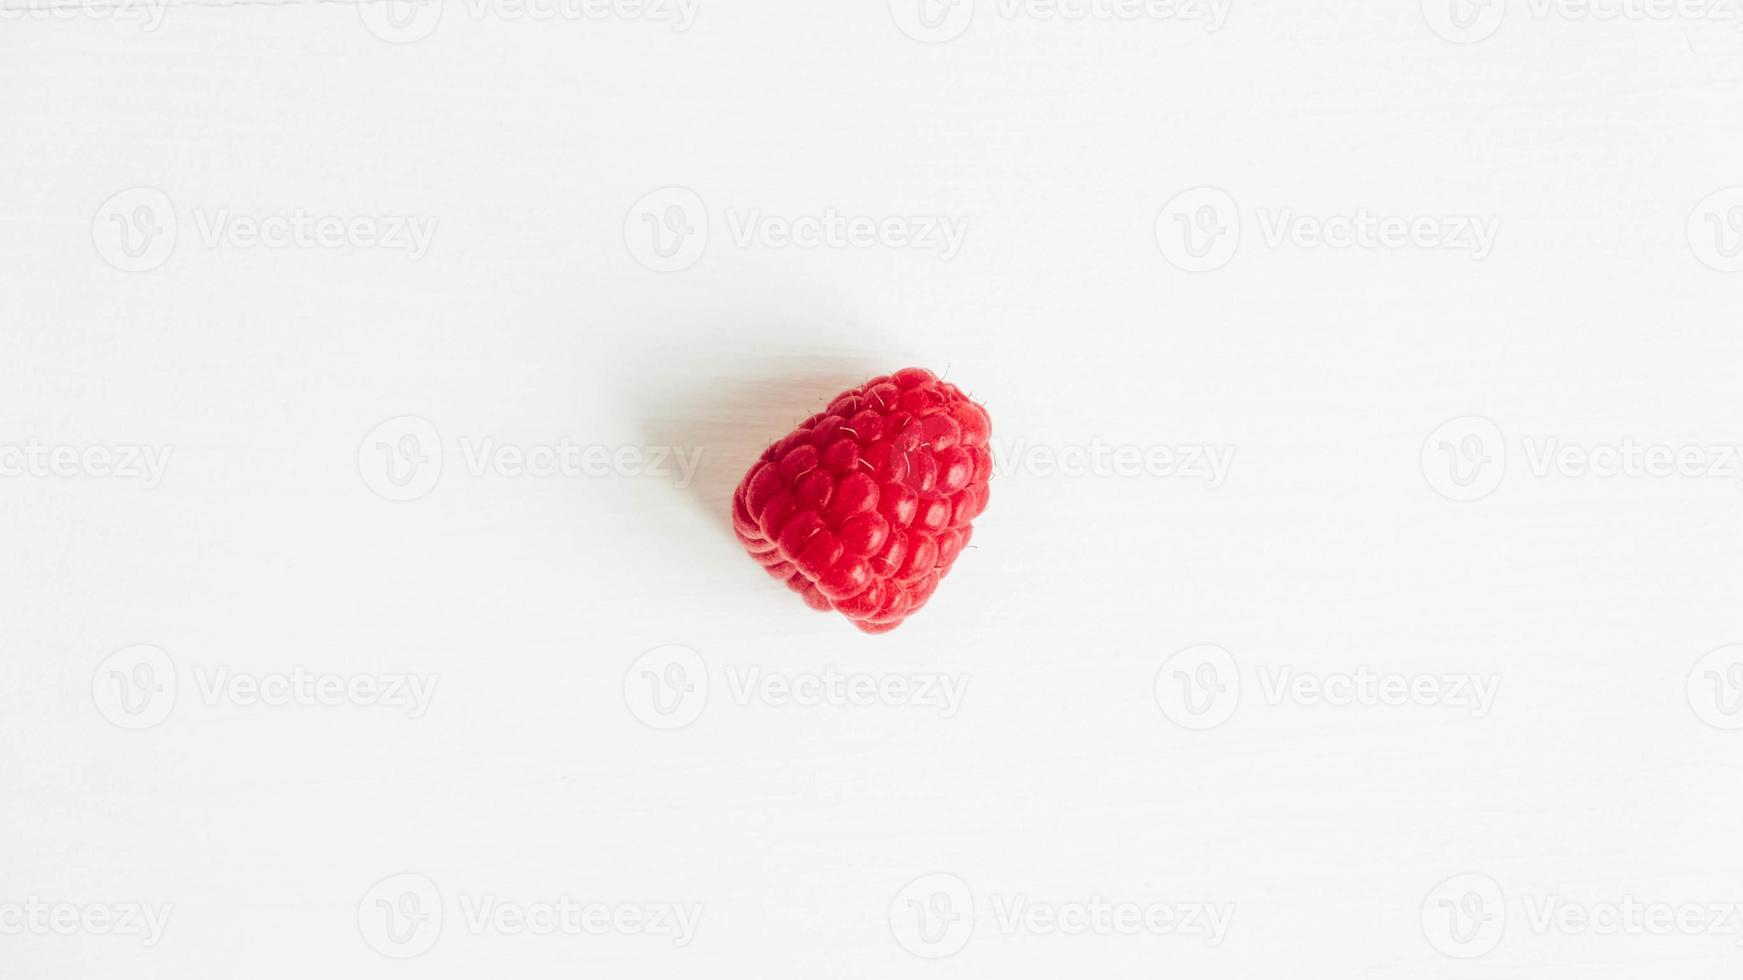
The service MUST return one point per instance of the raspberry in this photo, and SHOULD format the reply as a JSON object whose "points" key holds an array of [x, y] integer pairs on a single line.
{"points": [[865, 506]]}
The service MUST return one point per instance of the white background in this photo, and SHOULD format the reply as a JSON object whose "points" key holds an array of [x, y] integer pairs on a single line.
{"points": [[1344, 837]]}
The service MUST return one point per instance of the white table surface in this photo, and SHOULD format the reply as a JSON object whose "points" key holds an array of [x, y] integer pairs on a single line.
{"points": [[1353, 393]]}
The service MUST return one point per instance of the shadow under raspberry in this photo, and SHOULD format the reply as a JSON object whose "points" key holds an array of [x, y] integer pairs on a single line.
{"points": [[732, 417]]}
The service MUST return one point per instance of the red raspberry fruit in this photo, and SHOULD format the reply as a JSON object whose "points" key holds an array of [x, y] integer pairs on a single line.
{"points": [[865, 506]]}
